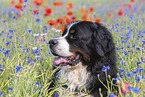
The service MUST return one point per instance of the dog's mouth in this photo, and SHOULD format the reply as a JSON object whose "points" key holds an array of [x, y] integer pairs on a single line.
{"points": [[63, 61]]}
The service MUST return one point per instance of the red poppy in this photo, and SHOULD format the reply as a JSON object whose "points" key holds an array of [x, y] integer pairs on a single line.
{"points": [[60, 20], [132, 0], [91, 9], [84, 19], [84, 16], [119, 8], [82, 10], [62, 28], [20, 1], [35, 10], [120, 13], [12, 2], [48, 11], [57, 3], [130, 6], [98, 20], [73, 18], [51, 22], [91, 18], [19, 6], [65, 16], [68, 20], [70, 13], [69, 5], [126, 84], [38, 2], [110, 14]]}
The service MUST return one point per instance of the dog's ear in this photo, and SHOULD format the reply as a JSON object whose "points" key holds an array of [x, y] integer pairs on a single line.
{"points": [[103, 41]]}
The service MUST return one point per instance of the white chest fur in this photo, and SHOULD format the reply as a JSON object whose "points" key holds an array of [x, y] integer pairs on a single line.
{"points": [[74, 76]]}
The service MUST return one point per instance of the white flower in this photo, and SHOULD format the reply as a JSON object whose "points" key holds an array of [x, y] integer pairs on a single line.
{"points": [[35, 34], [34, 48], [43, 34]]}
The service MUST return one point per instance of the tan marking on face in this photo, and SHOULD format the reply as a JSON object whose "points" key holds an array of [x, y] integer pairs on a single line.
{"points": [[72, 31]]}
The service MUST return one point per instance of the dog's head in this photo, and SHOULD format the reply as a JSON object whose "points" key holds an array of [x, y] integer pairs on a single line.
{"points": [[83, 39]]}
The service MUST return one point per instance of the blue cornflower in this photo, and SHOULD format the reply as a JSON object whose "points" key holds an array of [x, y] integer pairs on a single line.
{"points": [[112, 95], [137, 48], [56, 36], [10, 36], [118, 48], [140, 69], [44, 26], [6, 51], [47, 42], [137, 79], [18, 67], [37, 83], [131, 17], [10, 88], [121, 75], [124, 41], [105, 68], [1, 70], [124, 52], [37, 19], [29, 30], [122, 62], [17, 37], [25, 0], [143, 77], [8, 55], [27, 57], [128, 37], [37, 12], [129, 74], [121, 69], [127, 44], [143, 41], [14, 17], [24, 6], [56, 95], [139, 62], [4, 20], [2, 93], [142, 58], [133, 45], [43, 39], [48, 53], [117, 24], [36, 51], [11, 31], [7, 42], [136, 89], [135, 71]]}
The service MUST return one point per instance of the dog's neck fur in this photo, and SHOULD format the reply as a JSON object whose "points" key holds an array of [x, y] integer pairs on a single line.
{"points": [[74, 76]]}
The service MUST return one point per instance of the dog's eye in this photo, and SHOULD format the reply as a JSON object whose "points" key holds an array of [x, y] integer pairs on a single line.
{"points": [[72, 36]]}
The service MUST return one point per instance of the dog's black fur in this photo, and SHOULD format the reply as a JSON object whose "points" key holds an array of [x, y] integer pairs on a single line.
{"points": [[95, 44]]}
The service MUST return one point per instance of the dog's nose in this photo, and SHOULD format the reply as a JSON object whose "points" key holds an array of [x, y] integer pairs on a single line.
{"points": [[53, 42]]}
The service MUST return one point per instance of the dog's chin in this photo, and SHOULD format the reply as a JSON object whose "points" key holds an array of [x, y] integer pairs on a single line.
{"points": [[70, 60]]}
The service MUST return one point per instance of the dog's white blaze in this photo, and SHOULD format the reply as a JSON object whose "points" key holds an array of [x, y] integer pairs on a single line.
{"points": [[69, 28], [75, 76], [62, 48]]}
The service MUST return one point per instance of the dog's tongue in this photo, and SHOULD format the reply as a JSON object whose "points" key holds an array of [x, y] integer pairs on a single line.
{"points": [[59, 60], [67, 60]]}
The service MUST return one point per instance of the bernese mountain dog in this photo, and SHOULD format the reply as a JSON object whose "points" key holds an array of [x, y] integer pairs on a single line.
{"points": [[82, 53]]}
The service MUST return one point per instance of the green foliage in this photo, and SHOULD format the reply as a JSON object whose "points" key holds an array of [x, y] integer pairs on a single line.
{"points": [[25, 60]]}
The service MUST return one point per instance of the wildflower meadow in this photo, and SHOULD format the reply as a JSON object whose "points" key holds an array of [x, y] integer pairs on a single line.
{"points": [[26, 26]]}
